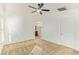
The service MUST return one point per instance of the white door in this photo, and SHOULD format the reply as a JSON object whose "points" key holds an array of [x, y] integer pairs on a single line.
{"points": [[67, 28], [51, 27], [76, 28]]}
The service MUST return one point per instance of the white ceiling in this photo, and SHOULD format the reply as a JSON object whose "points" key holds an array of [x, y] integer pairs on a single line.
{"points": [[23, 9]]}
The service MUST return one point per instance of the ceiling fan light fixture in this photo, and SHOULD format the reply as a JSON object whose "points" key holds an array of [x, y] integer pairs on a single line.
{"points": [[39, 9]]}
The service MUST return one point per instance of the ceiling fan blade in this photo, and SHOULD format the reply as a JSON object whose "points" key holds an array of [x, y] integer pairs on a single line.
{"points": [[45, 9], [40, 12], [62, 9], [38, 4], [32, 7], [41, 5], [33, 11]]}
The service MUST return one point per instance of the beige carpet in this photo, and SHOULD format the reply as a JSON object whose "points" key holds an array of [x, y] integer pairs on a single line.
{"points": [[1, 47], [37, 47]]}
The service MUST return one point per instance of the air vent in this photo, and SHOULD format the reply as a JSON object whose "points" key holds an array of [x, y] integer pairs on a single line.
{"points": [[62, 9]]}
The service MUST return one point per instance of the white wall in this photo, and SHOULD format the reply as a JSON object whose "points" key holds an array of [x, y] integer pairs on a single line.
{"points": [[58, 27], [63, 28]]}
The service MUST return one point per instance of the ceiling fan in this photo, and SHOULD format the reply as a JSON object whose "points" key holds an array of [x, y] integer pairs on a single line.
{"points": [[39, 9]]}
